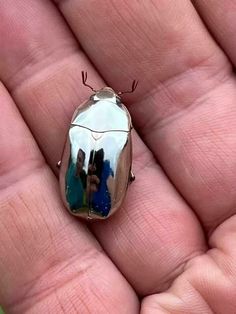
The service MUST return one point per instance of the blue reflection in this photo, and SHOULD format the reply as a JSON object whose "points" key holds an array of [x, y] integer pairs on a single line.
{"points": [[88, 191], [76, 182], [101, 200]]}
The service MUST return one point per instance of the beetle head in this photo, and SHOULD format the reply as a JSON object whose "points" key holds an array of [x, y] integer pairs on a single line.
{"points": [[106, 93]]}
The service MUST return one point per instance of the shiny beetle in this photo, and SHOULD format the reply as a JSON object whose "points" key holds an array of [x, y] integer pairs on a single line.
{"points": [[96, 164]]}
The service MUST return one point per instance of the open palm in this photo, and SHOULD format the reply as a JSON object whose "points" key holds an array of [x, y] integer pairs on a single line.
{"points": [[171, 248]]}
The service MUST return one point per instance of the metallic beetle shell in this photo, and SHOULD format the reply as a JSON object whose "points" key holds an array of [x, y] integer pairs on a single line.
{"points": [[96, 162]]}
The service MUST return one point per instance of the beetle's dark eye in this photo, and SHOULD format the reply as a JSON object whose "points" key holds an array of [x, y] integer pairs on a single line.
{"points": [[118, 100], [92, 97]]}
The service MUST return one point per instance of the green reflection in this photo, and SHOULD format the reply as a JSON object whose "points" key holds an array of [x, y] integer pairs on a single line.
{"points": [[76, 183], [1, 311]]}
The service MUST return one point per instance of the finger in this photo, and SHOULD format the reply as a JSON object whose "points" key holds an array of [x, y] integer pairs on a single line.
{"points": [[163, 41], [208, 283], [30, 56], [220, 17], [184, 108], [94, 179], [159, 238], [148, 229], [48, 261]]}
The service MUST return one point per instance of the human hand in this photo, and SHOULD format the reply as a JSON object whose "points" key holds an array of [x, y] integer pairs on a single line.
{"points": [[171, 248], [92, 181]]}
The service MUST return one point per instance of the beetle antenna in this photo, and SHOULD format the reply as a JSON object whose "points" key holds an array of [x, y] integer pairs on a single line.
{"points": [[84, 79], [134, 85]]}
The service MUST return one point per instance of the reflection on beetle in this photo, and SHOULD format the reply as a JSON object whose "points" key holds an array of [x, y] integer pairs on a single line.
{"points": [[87, 191], [101, 199], [76, 182]]}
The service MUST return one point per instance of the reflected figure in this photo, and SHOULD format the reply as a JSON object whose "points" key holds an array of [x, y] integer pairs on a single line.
{"points": [[87, 185], [76, 182], [79, 167], [100, 199]]}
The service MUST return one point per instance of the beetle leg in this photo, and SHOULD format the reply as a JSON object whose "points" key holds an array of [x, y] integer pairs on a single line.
{"points": [[59, 164], [131, 177]]}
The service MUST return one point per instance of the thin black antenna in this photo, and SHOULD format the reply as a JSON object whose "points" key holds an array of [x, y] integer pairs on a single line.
{"points": [[84, 79], [134, 85]]}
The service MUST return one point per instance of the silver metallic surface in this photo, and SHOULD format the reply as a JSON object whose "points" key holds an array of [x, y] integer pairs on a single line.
{"points": [[96, 163]]}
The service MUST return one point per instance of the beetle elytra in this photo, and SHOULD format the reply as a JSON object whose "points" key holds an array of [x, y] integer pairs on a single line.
{"points": [[95, 168]]}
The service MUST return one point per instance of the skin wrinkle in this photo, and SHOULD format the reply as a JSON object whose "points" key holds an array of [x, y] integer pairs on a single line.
{"points": [[74, 305], [200, 280], [211, 254], [94, 292], [7, 176], [222, 77], [42, 67], [38, 49], [206, 161], [144, 20], [44, 64], [198, 291], [132, 28], [32, 296], [220, 222], [221, 29], [63, 310], [160, 238], [178, 271], [176, 293], [35, 95], [218, 178], [36, 282], [160, 281]]}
